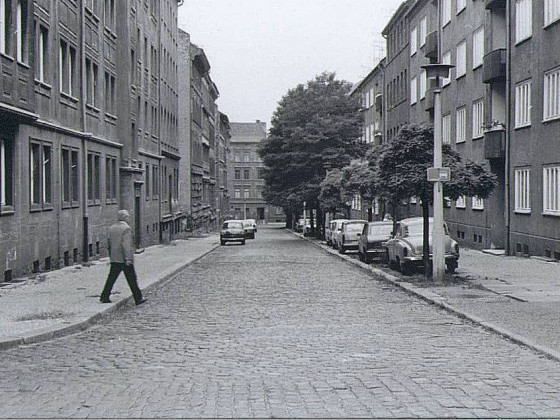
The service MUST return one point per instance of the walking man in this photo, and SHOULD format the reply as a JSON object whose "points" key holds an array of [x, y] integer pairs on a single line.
{"points": [[121, 252]]}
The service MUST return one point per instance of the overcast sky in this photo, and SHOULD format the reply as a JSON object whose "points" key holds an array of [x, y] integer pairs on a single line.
{"points": [[258, 49]]}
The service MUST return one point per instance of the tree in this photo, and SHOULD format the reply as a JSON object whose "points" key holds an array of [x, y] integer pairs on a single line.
{"points": [[401, 173], [316, 125]]}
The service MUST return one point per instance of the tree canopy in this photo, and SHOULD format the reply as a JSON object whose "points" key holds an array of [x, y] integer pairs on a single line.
{"points": [[315, 127]]}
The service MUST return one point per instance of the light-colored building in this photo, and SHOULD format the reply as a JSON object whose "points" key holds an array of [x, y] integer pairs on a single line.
{"points": [[245, 175]]}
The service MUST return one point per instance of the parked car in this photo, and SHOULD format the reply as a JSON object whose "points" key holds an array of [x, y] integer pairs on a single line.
{"points": [[348, 235], [232, 231], [405, 249], [330, 227], [370, 242], [249, 229], [303, 226], [335, 232]]}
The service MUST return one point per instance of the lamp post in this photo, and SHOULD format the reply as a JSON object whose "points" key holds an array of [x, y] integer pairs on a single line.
{"points": [[438, 173]]}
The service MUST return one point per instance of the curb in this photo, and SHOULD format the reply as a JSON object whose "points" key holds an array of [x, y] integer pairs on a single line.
{"points": [[52, 333], [436, 300]]}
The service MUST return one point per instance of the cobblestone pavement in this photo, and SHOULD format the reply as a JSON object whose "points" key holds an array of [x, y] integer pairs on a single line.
{"points": [[279, 328]]}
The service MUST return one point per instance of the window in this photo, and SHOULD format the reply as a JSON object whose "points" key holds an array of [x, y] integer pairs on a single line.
{"points": [[40, 174], [155, 182], [21, 32], [413, 41], [247, 193], [445, 12], [110, 94], [67, 68], [93, 178], [551, 190], [42, 54], [238, 174], [413, 91], [111, 179], [477, 203], [551, 11], [523, 104], [91, 83], [70, 178], [461, 125], [461, 68], [423, 30], [478, 47], [423, 83], [522, 190], [6, 175], [247, 157], [446, 129], [552, 94], [246, 174], [478, 119], [523, 19], [109, 14], [148, 181], [460, 203], [237, 193], [446, 59], [5, 24], [461, 4]]}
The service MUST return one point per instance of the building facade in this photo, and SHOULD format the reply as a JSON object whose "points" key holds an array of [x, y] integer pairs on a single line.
{"points": [[245, 175], [76, 133], [223, 138]]}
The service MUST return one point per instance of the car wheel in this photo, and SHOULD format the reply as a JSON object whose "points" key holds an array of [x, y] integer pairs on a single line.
{"points": [[404, 268], [341, 249], [367, 259], [243, 242], [361, 256]]}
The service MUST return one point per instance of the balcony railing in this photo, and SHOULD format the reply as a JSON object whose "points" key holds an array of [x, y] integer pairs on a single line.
{"points": [[494, 67], [495, 143]]}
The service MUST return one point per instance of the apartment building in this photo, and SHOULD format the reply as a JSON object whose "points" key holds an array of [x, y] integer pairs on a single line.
{"points": [[245, 175], [223, 138], [80, 111], [204, 94], [370, 92]]}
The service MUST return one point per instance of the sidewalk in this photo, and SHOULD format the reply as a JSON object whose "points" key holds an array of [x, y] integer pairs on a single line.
{"points": [[518, 298], [65, 301]]}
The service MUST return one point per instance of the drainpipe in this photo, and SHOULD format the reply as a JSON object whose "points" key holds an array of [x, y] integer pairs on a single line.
{"points": [[508, 131], [85, 217], [158, 114]]}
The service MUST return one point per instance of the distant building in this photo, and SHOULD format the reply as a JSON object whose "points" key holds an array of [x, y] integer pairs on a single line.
{"points": [[245, 175], [223, 139]]}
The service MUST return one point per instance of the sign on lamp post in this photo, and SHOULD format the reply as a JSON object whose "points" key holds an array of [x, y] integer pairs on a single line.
{"points": [[436, 71]]}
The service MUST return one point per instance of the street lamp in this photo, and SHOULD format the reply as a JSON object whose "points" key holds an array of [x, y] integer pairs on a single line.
{"points": [[438, 174]]}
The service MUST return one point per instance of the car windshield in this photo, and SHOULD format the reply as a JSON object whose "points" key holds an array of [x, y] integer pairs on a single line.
{"points": [[232, 225], [417, 229], [246, 223], [354, 227], [380, 230]]}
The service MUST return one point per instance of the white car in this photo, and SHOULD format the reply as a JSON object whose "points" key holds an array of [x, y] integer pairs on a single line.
{"points": [[249, 229], [330, 227], [335, 232], [348, 235]]}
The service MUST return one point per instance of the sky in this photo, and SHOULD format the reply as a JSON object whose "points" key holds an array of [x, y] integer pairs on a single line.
{"points": [[259, 49]]}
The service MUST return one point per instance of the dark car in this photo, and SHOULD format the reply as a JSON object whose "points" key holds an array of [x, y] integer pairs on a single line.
{"points": [[370, 242], [232, 231]]}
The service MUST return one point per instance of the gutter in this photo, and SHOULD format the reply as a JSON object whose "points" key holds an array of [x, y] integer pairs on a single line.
{"points": [[508, 131]]}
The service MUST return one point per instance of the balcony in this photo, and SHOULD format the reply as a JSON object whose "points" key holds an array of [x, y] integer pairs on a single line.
{"points": [[495, 143], [431, 47], [495, 4], [494, 67]]}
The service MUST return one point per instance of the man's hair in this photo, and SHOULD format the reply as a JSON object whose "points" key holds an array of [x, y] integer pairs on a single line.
{"points": [[123, 215]]}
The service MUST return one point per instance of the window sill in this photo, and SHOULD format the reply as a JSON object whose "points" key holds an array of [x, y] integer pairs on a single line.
{"points": [[552, 22], [93, 108], [7, 211], [111, 201], [460, 11], [460, 141], [43, 85], [479, 137], [461, 207], [477, 208], [520, 211], [7, 56], [460, 76], [520, 127], [37, 208], [556, 118], [549, 213], [93, 203], [478, 66], [23, 64], [521, 41], [69, 97]]}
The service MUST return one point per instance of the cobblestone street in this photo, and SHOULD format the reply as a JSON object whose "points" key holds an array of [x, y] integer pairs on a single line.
{"points": [[279, 328]]}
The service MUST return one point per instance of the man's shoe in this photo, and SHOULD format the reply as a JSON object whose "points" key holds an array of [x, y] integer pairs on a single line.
{"points": [[104, 301], [141, 301]]}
